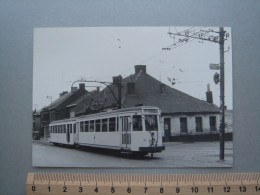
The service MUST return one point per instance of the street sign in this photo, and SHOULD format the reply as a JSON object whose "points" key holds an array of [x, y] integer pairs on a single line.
{"points": [[214, 66]]}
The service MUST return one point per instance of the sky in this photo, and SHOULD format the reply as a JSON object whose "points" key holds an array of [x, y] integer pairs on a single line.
{"points": [[64, 55]]}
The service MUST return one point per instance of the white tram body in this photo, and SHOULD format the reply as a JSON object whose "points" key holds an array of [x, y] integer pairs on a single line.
{"points": [[134, 130]]}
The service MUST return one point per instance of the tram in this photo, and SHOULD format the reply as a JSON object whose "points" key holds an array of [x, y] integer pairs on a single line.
{"points": [[132, 130]]}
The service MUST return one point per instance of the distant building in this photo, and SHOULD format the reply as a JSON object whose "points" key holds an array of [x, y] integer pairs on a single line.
{"points": [[58, 109]]}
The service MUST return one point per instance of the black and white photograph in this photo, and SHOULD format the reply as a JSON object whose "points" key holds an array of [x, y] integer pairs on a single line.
{"points": [[130, 97]]}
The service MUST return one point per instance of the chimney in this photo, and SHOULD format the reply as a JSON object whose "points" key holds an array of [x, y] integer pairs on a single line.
{"points": [[209, 96], [63, 93], [131, 88], [117, 80], [82, 86], [139, 68], [73, 88], [162, 88], [98, 89]]}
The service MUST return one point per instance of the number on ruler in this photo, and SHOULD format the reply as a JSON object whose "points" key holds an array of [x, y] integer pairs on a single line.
{"points": [[257, 188], [145, 189], [194, 189], [178, 190], [33, 188], [128, 190], [227, 189], [161, 189], [64, 189], [113, 190], [210, 189], [96, 190], [80, 189], [242, 188]]}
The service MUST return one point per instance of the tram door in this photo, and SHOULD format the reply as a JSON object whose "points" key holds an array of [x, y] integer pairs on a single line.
{"points": [[68, 133], [126, 132]]}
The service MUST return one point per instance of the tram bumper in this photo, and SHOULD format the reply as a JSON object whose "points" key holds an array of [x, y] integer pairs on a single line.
{"points": [[152, 149]]}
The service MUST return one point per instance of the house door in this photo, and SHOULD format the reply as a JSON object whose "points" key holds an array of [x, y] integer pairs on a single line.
{"points": [[126, 132], [167, 129]]}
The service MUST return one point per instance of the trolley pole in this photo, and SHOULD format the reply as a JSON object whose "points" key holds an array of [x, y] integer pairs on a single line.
{"points": [[222, 93]]}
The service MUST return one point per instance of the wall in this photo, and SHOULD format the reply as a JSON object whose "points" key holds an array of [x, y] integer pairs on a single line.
{"points": [[191, 124]]}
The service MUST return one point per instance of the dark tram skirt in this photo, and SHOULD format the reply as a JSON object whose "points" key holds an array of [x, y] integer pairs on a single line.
{"points": [[152, 149]]}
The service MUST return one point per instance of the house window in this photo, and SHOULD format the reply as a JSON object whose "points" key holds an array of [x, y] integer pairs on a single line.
{"points": [[112, 124], [104, 125], [183, 125], [212, 123], [198, 121]]}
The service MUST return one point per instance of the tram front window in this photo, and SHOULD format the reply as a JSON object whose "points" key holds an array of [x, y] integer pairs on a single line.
{"points": [[137, 123], [151, 123]]}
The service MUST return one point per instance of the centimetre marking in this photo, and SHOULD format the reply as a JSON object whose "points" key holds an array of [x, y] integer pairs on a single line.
{"points": [[99, 184]]}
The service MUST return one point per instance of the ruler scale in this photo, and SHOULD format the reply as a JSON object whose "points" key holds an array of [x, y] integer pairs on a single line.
{"points": [[142, 184]]}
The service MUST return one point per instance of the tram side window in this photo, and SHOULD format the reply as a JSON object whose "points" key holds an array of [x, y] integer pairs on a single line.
{"points": [[104, 125], [137, 123], [70, 128], [151, 123], [74, 128], [97, 125], [86, 126], [112, 124], [81, 126], [64, 128], [91, 126]]}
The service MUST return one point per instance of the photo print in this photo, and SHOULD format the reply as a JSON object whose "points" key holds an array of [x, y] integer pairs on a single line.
{"points": [[132, 97]]}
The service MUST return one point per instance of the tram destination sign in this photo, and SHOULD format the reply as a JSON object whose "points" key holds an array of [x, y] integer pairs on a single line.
{"points": [[154, 111]]}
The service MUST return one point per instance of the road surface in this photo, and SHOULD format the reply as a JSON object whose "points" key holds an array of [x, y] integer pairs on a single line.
{"points": [[176, 154]]}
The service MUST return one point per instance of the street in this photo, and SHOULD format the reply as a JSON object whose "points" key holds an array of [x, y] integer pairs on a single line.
{"points": [[176, 154]]}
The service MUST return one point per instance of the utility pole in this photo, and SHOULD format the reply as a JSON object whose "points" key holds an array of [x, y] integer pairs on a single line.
{"points": [[222, 93], [209, 35]]}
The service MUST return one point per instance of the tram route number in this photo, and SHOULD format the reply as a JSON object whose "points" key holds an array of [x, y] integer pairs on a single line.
{"points": [[161, 190]]}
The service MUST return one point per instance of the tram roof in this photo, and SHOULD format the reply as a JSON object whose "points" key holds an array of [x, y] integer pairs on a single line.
{"points": [[129, 109]]}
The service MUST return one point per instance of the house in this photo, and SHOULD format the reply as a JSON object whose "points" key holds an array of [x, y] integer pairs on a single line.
{"points": [[183, 117], [58, 109]]}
